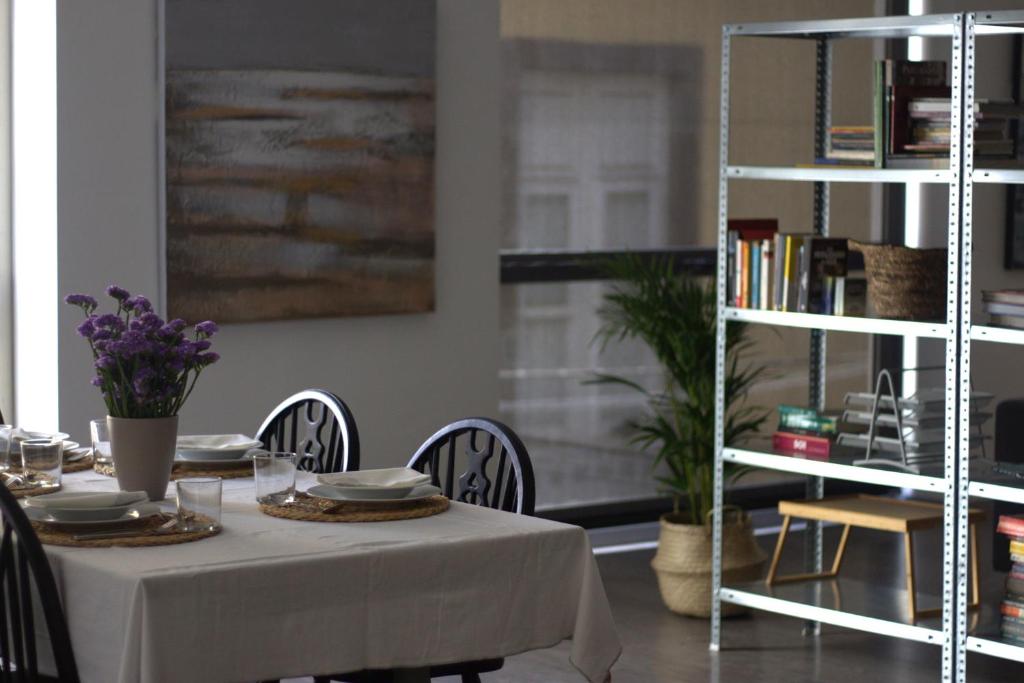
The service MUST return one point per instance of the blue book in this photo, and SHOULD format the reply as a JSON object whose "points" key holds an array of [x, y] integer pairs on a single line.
{"points": [[755, 274]]}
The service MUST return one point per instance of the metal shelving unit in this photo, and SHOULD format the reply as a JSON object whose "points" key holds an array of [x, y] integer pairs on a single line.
{"points": [[875, 610]]}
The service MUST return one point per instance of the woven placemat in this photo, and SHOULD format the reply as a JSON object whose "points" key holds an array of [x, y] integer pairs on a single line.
{"points": [[306, 508], [80, 465], [34, 491], [193, 469], [148, 535]]}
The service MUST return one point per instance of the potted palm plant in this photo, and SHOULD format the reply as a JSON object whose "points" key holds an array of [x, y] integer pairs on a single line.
{"points": [[675, 316]]}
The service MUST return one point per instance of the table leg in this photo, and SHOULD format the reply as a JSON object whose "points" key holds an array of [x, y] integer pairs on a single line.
{"points": [[837, 563], [783, 532], [908, 547]]}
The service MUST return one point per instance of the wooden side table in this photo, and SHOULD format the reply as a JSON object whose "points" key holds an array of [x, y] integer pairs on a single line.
{"points": [[873, 512]]}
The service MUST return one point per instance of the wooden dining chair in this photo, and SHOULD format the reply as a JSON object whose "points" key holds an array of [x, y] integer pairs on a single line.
{"points": [[493, 468], [318, 427], [22, 565], [479, 461]]}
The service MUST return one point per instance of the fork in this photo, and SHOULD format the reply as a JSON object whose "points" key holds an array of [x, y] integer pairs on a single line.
{"points": [[165, 528]]}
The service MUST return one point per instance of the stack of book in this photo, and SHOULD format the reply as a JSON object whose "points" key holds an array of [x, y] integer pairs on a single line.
{"points": [[1012, 607], [750, 259], [792, 272], [1005, 307], [851, 145], [804, 432], [912, 118]]}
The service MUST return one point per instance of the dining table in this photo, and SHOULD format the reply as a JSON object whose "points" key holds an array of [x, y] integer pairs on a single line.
{"points": [[271, 598]]}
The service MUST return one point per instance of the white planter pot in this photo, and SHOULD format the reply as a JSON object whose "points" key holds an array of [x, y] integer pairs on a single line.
{"points": [[683, 563], [143, 452]]}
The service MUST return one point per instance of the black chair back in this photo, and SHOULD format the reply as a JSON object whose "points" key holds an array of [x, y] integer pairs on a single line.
{"points": [[23, 563], [318, 427], [495, 472]]}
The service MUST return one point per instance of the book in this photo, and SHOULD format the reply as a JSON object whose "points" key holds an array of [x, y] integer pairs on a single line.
{"points": [[731, 239], [1006, 296], [898, 72], [790, 273], [806, 421], [767, 263], [998, 308], [805, 444], [745, 236], [755, 275], [826, 259], [1008, 321], [1011, 526]]}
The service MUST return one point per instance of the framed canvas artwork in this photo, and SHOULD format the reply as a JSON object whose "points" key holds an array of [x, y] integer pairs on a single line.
{"points": [[299, 141]]}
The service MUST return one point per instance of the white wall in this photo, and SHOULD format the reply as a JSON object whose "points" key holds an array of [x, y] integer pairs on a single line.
{"points": [[403, 376]]}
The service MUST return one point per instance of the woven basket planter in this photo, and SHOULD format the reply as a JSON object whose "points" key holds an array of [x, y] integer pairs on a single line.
{"points": [[683, 563], [905, 283]]}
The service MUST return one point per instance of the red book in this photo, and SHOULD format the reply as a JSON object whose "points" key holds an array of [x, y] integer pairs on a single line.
{"points": [[754, 228], [816, 447], [1011, 526], [1011, 610]]}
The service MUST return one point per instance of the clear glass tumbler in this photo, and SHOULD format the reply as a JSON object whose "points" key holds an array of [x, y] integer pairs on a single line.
{"points": [[7, 458], [275, 477], [199, 503], [100, 441], [42, 460]]}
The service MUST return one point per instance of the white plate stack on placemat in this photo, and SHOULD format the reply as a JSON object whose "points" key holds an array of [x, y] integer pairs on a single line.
{"points": [[384, 486], [90, 509], [215, 449]]}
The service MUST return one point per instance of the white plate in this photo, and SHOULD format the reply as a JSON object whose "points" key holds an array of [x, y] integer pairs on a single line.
{"points": [[87, 514], [132, 514], [246, 456], [76, 454], [21, 435], [220, 447], [335, 493]]}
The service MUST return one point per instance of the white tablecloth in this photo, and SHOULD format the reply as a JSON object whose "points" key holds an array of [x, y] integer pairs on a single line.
{"points": [[273, 598]]}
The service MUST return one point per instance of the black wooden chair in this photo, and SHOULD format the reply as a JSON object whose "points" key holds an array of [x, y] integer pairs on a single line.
{"points": [[495, 472], [22, 563], [318, 427]]}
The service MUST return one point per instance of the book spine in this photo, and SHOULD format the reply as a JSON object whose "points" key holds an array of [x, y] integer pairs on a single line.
{"points": [[803, 272], [730, 265], [777, 267], [766, 274], [755, 274], [817, 424], [879, 110], [839, 296], [787, 442]]}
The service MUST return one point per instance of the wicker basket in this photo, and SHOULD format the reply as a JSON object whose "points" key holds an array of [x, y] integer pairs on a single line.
{"points": [[905, 283], [683, 563]]}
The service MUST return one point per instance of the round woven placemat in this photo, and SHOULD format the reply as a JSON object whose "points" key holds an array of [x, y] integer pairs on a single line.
{"points": [[193, 469], [34, 491], [80, 465], [306, 508], [148, 535]]}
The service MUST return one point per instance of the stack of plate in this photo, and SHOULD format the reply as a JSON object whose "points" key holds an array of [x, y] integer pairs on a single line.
{"points": [[90, 509], [389, 485], [72, 449], [215, 449]]}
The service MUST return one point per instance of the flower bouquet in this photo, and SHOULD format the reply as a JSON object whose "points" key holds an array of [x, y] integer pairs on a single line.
{"points": [[146, 369]]}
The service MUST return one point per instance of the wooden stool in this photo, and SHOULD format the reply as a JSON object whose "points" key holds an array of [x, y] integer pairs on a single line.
{"points": [[873, 512]]}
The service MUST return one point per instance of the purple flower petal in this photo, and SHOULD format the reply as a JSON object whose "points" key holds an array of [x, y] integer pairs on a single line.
{"points": [[119, 293]]}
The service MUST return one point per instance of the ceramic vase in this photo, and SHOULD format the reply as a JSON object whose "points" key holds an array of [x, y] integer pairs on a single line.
{"points": [[143, 452]]}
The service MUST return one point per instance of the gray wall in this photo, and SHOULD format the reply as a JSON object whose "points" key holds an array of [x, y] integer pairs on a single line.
{"points": [[403, 376]]}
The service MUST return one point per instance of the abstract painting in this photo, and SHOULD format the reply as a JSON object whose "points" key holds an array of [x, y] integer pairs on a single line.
{"points": [[299, 158]]}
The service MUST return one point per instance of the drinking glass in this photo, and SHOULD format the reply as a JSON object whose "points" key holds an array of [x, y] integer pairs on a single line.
{"points": [[275, 477], [6, 445], [100, 441], [42, 460], [199, 503]]}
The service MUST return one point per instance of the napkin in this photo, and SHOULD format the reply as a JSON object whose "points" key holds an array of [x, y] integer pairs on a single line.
{"points": [[215, 442], [19, 434], [388, 478], [85, 499]]}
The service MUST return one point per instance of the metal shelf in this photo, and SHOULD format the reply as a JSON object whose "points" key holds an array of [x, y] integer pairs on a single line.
{"points": [[996, 646], [838, 323], [1002, 335], [872, 27], [999, 23], [837, 467], [985, 483], [840, 602], [839, 174], [1009, 176]]}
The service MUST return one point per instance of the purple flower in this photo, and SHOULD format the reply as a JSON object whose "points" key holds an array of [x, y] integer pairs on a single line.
{"points": [[142, 379], [204, 359], [109, 320], [87, 328], [96, 381], [207, 327], [82, 300], [101, 335], [177, 324], [146, 322], [138, 303], [105, 362], [119, 293], [201, 345]]}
